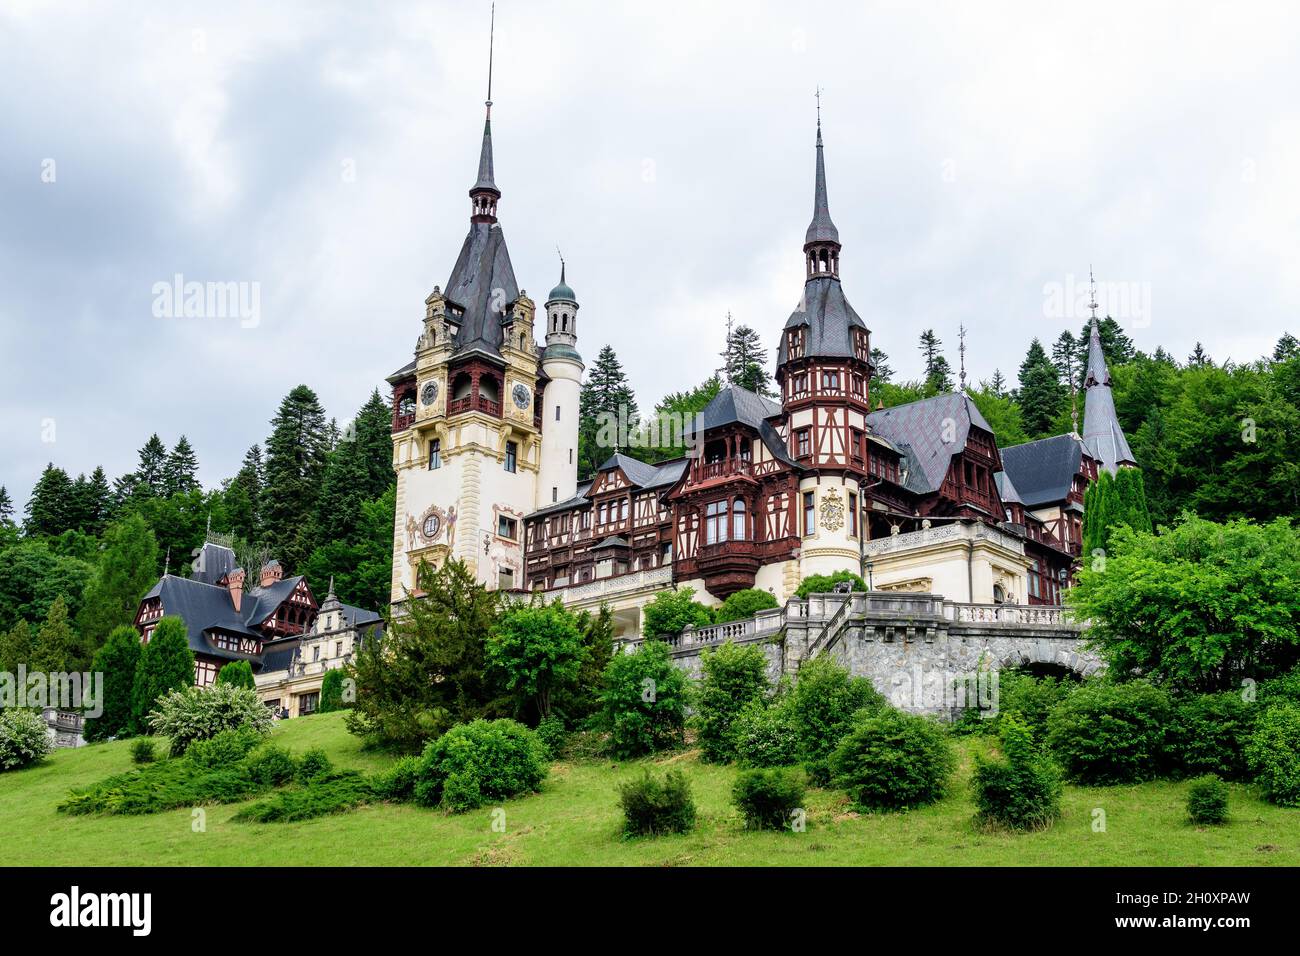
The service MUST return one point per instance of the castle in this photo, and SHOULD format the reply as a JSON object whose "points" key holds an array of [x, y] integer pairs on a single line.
{"points": [[915, 498]]}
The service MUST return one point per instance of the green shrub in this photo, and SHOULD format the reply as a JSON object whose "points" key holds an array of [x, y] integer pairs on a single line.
{"points": [[398, 783], [226, 748], [586, 745], [768, 799], [143, 750], [117, 660], [767, 735], [1210, 733], [479, 762], [331, 793], [198, 713], [744, 604], [1273, 753], [314, 763], [1207, 800], [893, 760], [1030, 698], [671, 611], [644, 701], [1279, 690], [166, 664], [161, 786], [1022, 790], [331, 691], [732, 678], [1111, 733], [24, 738], [824, 700], [237, 674], [653, 806], [271, 766], [825, 583], [550, 731]]}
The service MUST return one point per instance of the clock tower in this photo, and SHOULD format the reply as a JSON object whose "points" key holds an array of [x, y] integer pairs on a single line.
{"points": [[467, 421]]}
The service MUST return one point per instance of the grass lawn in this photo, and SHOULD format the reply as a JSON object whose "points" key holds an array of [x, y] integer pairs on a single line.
{"points": [[575, 820]]}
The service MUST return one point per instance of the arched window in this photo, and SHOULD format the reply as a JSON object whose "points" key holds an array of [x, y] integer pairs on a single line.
{"points": [[715, 522], [738, 520]]}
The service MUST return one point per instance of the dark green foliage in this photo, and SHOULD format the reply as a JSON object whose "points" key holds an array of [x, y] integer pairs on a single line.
{"points": [[653, 806], [671, 611], [362, 568], [675, 410], [271, 766], [581, 699], [166, 664], [533, 650], [1273, 753], [238, 674], [768, 799], [427, 674], [181, 470], [605, 391], [1041, 397], [314, 763], [938, 373], [295, 468], [824, 701], [767, 736], [332, 793], [143, 750], [892, 760], [52, 508], [644, 701], [1022, 789], [1207, 801], [1001, 412], [744, 604], [1111, 733], [117, 661], [397, 784], [480, 762], [160, 786], [744, 361], [1200, 607], [126, 570], [825, 583], [1210, 733], [57, 646], [223, 749], [331, 691], [733, 677], [551, 732], [1030, 698], [33, 575]]}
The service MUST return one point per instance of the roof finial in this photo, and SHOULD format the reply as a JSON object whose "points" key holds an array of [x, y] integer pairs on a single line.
{"points": [[492, 26], [818, 95], [1092, 293], [561, 255], [961, 350]]}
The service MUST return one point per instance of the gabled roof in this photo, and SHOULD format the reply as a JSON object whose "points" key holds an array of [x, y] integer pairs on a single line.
{"points": [[1042, 471], [1006, 490], [828, 316], [920, 428], [203, 607], [734, 404]]}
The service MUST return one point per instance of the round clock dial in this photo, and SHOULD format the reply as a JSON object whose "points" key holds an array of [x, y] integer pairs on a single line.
{"points": [[430, 393], [432, 526], [521, 395]]}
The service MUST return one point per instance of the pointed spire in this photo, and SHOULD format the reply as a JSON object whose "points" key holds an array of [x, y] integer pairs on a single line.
{"points": [[484, 192], [1101, 429], [961, 348], [821, 229]]}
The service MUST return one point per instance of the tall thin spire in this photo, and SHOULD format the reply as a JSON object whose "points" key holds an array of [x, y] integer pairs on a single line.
{"points": [[1101, 428], [1092, 293], [484, 192], [821, 245], [961, 349]]}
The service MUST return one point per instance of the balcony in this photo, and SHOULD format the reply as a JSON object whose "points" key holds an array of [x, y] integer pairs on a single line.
{"points": [[471, 403], [728, 566]]}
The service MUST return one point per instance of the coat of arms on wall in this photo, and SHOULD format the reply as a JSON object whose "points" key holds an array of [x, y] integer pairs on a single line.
{"points": [[832, 510]]}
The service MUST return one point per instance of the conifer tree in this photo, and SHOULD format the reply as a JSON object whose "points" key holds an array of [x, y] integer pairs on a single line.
{"points": [[1065, 353], [1130, 493], [374, 440], [237, 674], [883, 372], [1041, 396], [295, 467], [166, 664], [6, 506], [1286, 349], [57, 646], [606, 399], [998, 384], [148, 475], [1198, 358], [17, 646], [180, 472], [97, 503], [52, 508], [117, 660], [744, 361], [243, 498], [938, 373], [125, 572]]}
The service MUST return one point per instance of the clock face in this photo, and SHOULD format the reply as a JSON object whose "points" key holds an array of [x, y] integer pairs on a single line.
{"points": [[430, 393], [521, 395], [432, 526]]}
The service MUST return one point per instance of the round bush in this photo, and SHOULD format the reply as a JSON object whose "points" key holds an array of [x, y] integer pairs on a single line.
{"points": [[143, 750], [1210, 733], [1021, 791], [24, 738], [1273, 753], [226, 748], [893, 760], [766, 735], [744, 604], [398, 784], [315, 763], [271, 766], [1207, 801], [479, 762], [1030, 698], [768, 799], [824, 701], [1111, 733], [644, 701], [550, 731], [199, 713], [652, 806]]}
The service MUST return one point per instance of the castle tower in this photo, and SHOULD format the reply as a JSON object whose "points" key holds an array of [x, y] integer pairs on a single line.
{"points": [[562, 372], [466, 422], [1101, 430]]}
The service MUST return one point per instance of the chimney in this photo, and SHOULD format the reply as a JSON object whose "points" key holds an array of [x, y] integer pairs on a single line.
{"points": [[271, 572], [235, 585]]}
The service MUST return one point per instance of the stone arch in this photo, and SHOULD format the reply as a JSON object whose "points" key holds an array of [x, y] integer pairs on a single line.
{"points": [[1050, 655]]}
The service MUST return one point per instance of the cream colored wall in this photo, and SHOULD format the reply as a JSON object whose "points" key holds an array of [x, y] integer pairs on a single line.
{"points": [[559, 462], [832, 548]]}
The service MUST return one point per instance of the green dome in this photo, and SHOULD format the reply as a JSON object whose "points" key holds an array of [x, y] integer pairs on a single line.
{"points": [[562, 291], [561, 351]]}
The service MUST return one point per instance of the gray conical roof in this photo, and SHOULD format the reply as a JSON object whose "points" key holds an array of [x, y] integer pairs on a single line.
{"points": [[821, 229], [1101, 430], [485, 177]]}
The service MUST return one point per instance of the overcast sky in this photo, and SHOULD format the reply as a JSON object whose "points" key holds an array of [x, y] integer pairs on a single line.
{"points": [[979, 158]]}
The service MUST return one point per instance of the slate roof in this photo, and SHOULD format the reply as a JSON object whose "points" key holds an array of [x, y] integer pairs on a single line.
{"points": [[920, 427], [1006, 489], [828, 316], [821, 229], [204, 607], [1043, 471], [1101, 428], [214, 562], [736, 404]]}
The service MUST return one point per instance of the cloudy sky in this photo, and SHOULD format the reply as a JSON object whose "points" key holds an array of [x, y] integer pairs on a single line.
{"points": [[980, 158]]}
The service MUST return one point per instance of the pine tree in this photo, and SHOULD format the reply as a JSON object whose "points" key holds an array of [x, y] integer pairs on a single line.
{"points": [[295, 467], [117, 660], [243, 498], [938, 373], [1286, 349], [1065, 357], [606, 400], [17, 647], [1041, 396], [126, 570], [374, 440], [1198, 358], [883, 372], [57, 646], [6, 506], [97, 505], [52, 508], [1130, 492], [148, 477], [998, 386], [744, 361], [180, 473], [166, 664]]}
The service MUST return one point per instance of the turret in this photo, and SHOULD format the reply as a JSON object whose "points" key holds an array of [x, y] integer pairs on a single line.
{"points": [[562, 366]]}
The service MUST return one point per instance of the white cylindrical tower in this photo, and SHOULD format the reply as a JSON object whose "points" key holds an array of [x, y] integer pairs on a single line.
{"points": [[561, 363]]}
